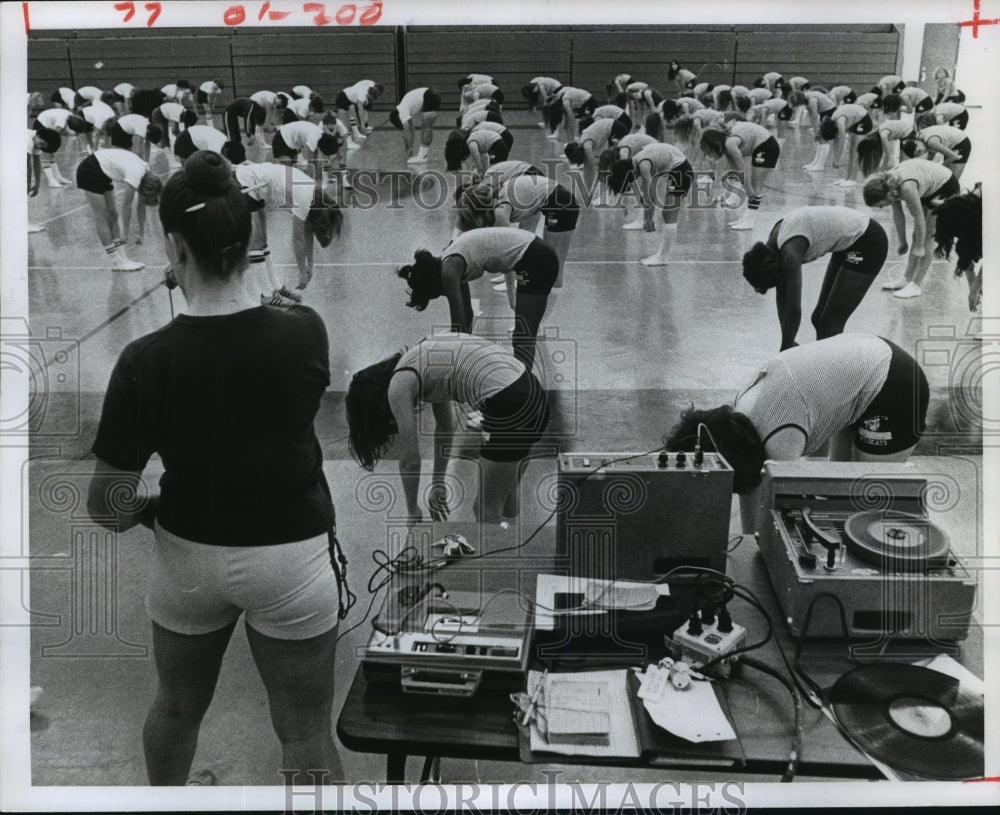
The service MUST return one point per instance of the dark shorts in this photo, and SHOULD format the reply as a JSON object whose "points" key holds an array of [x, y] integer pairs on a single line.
{"points": [[183, 145], [765, 155], [924, 105], [432, 102], [91, 178], [867, 254], [586, 109], [157, 118], [897, 416], [342, 102], [679, 180], [201, 96], [500, 149], [963, 148], [280, 149], [826, 114], [288, 116], [622, 127], [144, 102], [949, 189], [862, 127], [656, 97], [537, 269], [119, 138], [515, 419], [898, 87], [961, 120], [560, 211]]}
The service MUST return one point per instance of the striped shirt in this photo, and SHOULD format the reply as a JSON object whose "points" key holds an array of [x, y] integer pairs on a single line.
{"points": [[525, 195], [929, 177], [460, 368], [826, 229], [820, 388], [497, 248]]}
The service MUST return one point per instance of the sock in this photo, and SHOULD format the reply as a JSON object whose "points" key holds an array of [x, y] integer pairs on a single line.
{"points": [[112, 247], [269, 264], [257, 267], [753, 203]]}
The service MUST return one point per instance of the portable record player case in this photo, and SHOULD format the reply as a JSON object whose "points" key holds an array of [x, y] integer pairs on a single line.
{"points": [[860, 532]]}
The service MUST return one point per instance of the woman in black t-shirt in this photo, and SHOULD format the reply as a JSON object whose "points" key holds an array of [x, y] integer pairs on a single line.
{"points": [[226, 395]]}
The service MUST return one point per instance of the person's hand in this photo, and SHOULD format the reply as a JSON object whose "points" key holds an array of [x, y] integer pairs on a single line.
{"points": [[437, 503], [919, 251], [903, 247]]}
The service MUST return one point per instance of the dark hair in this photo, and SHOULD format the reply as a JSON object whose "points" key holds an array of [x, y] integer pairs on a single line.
{"points": [[554, 114], [674, 69], [622, 173], [851, 98], [456, 150], [908, 146], [110, 97], [329, 143], [743, 103], [707, 99], [234, 151], [713, 142], [960, 224], [497, 96], [607, 158], [183, 84], [654, 125], [828, 129], [189, 118], [154, 133], [759, 82], [465, 80], [203, 203], [423, 277], [316, 103], [371, 425], [725, 99], [876, 189], [51, 138], [325, 220], [184, 146], [870, 153], [494, 116], [729, 433], [574, 153], [78, 124], [670, 110], [683, 127], [759, 268], [892, 103], [475, 207], [925, 119], [620, 99], [797, 98]]}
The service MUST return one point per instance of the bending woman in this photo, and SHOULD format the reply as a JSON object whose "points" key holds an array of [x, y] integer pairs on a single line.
{"points": [[918, 184], [738, 142], [384, 400], [857, 246], [226, 394], [529, 265], [860, 394]]}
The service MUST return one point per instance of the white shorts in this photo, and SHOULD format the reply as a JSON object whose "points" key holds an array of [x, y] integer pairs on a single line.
{"points": [[288, 590]]}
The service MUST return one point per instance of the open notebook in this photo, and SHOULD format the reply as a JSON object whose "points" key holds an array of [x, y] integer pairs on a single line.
{"points": [[633, 736]]}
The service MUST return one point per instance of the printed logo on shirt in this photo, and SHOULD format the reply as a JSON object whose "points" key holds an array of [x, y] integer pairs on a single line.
{"points": [[872, 433]]}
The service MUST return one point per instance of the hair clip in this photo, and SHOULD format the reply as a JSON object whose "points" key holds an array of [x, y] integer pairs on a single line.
{"points": [[195, 207]]}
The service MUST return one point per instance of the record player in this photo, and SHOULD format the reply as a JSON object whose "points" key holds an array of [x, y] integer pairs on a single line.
{"points": [[860, 532]]}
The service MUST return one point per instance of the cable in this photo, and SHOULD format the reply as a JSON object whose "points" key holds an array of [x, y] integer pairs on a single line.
{"points": [[796, 751]]}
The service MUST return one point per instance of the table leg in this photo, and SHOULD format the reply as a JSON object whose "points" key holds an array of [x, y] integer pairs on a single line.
{"points": [[431, 773], [395, 768]]}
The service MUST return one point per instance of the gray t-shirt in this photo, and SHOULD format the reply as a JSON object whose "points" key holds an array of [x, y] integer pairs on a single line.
{"points": [[497, 248], [828, 229]]}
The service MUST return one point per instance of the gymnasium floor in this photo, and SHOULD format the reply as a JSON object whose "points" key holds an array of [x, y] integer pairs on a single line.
{"points": [[627, 348]]}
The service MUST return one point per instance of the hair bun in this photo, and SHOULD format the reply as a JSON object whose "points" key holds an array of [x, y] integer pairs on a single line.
{"points": [[208, 173]]}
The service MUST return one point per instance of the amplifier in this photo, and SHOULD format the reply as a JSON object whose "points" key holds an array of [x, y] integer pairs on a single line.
{"points": [[639, 515]]}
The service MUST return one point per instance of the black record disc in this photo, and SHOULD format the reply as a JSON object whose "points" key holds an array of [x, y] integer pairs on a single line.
{"points": [[913, 719], [896, 539]]}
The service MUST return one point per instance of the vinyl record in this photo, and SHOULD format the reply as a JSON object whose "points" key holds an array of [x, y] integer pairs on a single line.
{"points": [[896, 539], [913, 719]]}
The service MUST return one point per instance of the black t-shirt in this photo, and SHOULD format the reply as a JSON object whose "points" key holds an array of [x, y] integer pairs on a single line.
{"points": [[228, 402]]}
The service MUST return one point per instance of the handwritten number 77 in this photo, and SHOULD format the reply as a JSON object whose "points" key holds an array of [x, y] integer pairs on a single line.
{"points": [[154, 10]]}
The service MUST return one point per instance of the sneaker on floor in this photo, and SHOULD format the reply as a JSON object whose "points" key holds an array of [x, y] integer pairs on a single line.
{"points": [[894, 284], [502, 286], [202, 778], [32, 228], [275, 300], [353, 145], [634, 225], [846, 182], [742, 223], [416, 160], [911, 289], [126, 265], [284, 291], [655, 260], [552, 136], [499, 278]]}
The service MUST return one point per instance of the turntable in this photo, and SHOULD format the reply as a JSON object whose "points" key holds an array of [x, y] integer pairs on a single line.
{"points": [[862, 535]]}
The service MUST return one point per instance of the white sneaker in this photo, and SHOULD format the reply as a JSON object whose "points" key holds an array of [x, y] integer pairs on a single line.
{"points": [[812, 168], [847, 182], [417, 160], [498, 278], [32, 228], [742, 223], [911, 289], [634, 225], [552, 136], [499, 287], [894, 284], [353, 145], [654, 260], [120, 263]]}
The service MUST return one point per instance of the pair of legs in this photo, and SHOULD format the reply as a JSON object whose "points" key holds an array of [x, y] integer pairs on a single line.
{"points": [[841, 293], [105, 210], [500, 488], [302, 245], [670, 214], [754, 186], [298, 678], [425, 122]]}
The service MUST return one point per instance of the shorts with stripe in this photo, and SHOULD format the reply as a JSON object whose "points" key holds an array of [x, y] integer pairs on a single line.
{"points": [[949, 189], [91, 178], [765, 155], [896, 418], [560, 211], [862, 127], [867, 254]]}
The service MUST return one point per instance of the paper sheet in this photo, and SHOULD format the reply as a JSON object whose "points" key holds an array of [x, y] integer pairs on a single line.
{"points": [[548, 585], [693, 714], [623, 742]]}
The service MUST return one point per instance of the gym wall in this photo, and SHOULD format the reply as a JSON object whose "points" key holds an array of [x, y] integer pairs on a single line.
{"points": [[252, 59]]}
